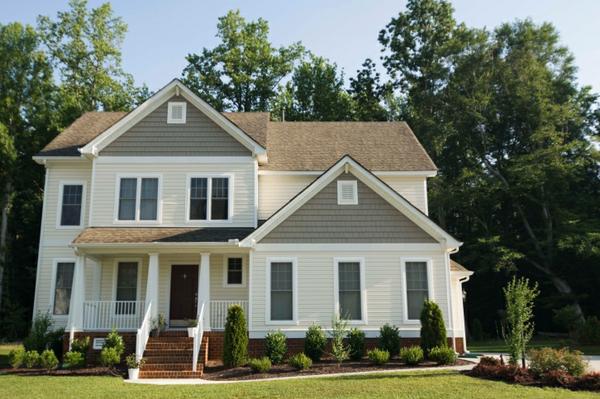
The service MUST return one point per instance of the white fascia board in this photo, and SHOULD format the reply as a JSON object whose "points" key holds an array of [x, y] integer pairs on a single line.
{"points": [[129, 120], [42, 160], [418, 173]]}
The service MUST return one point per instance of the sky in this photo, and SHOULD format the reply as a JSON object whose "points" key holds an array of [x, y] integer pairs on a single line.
{"points": [[162, 33]]}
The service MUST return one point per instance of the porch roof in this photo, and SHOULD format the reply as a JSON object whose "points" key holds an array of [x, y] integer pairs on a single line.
{"points": [[142, 235], [457, 267]]}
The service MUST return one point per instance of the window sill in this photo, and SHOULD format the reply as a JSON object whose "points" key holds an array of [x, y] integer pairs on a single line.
{"points": [[234, 285], [281, 323]]}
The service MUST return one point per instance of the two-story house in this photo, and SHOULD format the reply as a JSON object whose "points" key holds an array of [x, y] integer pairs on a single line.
{"points": [[178, 210]]}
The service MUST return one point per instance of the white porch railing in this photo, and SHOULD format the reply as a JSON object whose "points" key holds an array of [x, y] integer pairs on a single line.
{"points": [[143, 333], [218, 312], [197, 334], [106, 315]]}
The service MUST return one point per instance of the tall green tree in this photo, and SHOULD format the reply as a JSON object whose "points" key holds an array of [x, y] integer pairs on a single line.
{"points": [[519, 299], [242, 72], [369, 93]]}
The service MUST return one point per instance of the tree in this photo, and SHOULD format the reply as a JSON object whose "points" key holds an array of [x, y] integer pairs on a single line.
{"points": [[368, 94], [519, 297], [242, 72], [433, 329], [235, 344]]}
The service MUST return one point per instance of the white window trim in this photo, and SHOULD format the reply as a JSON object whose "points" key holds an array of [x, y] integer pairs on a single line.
{"points": [[61, 185], [55, 263], [138, 197], [226, 270], [116, 274], [363, 290], [294, 321], [429, 263], [209, 178], [340, 199], [170, 119]]}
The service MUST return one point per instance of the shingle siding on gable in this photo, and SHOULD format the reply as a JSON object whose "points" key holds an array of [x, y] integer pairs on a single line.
{"points": [[199, 136], [322, 220]]}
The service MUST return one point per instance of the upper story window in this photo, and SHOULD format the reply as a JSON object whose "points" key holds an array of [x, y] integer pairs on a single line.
{"points": [[209, 198], [138, 199], [234, 274], [71, 200], [176, 112], [347, 192], [417, 287]]}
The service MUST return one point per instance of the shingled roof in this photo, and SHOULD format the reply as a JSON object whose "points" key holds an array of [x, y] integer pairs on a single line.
{"points": [[291, 146], [129, 235]]}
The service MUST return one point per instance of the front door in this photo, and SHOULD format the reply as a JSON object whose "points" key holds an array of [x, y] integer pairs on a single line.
{"points": [[184, 294]]}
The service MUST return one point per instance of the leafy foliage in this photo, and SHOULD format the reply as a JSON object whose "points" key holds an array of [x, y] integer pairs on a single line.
{"points": [[389, 339], [433, 329], [48, 360], [82, 345], [314, 342], [261, 365], [442, 355], [275, 346], [588, 332], [133, 363], [411, 355], [16, 357], [109, 357], [356, 343], [41, 336], [519, 298], [300, 361], [73, 360], [31, 359], [339, 348], [114, 341], [545, 360], [378, 356], [235, 345]]}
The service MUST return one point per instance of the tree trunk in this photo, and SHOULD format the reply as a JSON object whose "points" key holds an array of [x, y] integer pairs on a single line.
{"points": [[6, 203]]}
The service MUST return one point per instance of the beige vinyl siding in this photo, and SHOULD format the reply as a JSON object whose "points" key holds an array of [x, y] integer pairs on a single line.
{"points": [[276, 190], [383, 283], [458, 315], [372, 220], [198, 136], [174, 182]]}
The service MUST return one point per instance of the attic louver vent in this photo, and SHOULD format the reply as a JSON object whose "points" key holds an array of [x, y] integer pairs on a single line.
{"points": [[347, 192], [176, 112]]}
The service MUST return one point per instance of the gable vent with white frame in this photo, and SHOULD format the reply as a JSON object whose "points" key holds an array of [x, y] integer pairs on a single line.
{"points": [[347, 192], [176, 112]]}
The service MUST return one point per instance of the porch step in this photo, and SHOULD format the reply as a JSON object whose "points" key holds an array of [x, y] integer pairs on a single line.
{"points": [[171, 373], [171, 356], [187, 366]]}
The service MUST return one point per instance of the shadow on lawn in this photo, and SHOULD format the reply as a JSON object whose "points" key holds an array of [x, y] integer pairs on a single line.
{"points": [[416, 374]]}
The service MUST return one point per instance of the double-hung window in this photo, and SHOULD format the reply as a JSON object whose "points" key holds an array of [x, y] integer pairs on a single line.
{"points": [[234, 275], [71, 204], [63, 285], [126, 287], [349, 287], [417, 287], [138, 199], [281, 290], [209, 198]]}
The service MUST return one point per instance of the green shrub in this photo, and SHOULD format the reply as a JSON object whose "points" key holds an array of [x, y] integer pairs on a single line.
{"points": [[275, 346], [477, 333], [356, 342], [300, 361], [115, 341], [567, 318], [339, 331], [132, 362], [48, 360], [42, 337], [314, 342], [544, 360], [16, 357], [433, 330], [442, 355], [261, 365], [378, 356], [589, 331], [82, 345], [412, 355], [31, 359], [389, 339], [235, 346], [73, 360], [109, 357]]}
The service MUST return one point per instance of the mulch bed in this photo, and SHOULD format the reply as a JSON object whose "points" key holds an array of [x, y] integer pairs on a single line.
{"points": [[321, 368], [83, 372]]}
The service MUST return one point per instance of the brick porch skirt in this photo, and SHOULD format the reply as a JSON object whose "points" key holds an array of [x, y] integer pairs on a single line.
{"points": [[93, 355]]}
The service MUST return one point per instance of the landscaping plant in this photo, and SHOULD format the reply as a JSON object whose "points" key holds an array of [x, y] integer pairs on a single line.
{"points": [[300, 361], [275, 346], [339, 349], [159, 324], [132, 362], [115, 341], [442, 355], [31, 359], [235, 345], [109, 357], [48, 360], [411, 355], [356, 342], [378, 356], [545, 360], [389, 339], [81, 345], [42, 337], [588, 332], [73, 360], [315, 342], [260, 365], [519, 297], [433, 330], [16, 357]]}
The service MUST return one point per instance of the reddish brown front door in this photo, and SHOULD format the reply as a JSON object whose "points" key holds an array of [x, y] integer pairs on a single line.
{"points": [[184, 292]]}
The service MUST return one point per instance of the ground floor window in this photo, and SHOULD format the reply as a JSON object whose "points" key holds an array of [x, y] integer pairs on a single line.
{"points": [[417, 287], [62, 287], [126, 289], [282, 290]]}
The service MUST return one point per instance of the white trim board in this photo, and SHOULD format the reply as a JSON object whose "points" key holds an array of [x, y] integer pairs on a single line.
{"points": [[407, 173]]}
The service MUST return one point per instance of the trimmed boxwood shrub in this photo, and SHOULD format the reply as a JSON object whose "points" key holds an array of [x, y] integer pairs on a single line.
{"points": [[412, 355], [378, 356], [16, 357], [31, 359], [262, 365], [442, 355], [114, 341], [300, 361], [275, 346], [48, 360], [356, 342], [109, 357], [235, 345], [314, 342], [433, 330], [73, 360], [544, 360], [389, 339]]}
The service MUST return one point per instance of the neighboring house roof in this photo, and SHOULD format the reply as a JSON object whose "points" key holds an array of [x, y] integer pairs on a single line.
{"points": [[129, 235]]}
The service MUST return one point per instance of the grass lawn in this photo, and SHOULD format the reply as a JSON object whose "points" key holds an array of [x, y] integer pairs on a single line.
{"points": [[448, 384], [499, 345]]}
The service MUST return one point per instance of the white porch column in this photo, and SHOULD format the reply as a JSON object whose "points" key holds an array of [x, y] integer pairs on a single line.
{"points": [[204, 288], [75, 322], [152, 284]]}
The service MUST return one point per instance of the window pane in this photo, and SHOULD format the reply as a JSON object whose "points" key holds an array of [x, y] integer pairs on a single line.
{"points": [[234, 271], [127, 281], [281, 291], [71, 205], [349, 290], [127, 194], [198, 198], [62, 288], [149, 199], [220, 195], [417, 290]]}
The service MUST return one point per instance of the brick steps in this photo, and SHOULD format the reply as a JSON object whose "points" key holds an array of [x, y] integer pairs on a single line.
{"points": [[171, 356], [171, 374]]}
